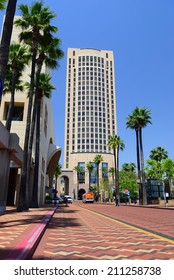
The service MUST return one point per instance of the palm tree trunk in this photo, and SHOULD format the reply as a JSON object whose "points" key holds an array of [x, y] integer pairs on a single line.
{"points": [[98, 180], [29, 161], [36, 111], [113, 179], [56, 183], [89, 180], [77, 186], [142, 169], [37, 157], [34, 119], [11, 106], [118, 170], [138, 168], [6, 37], [115, 166], [23, 201]]}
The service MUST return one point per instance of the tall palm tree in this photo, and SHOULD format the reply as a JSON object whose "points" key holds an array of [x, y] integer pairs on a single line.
{"points": [[116, 144], [18, 59], [98, 159], [45, 89], [158, 154], [78, 169], [137, 120], [90, 168], [132, 124], [6, 38], [48, 53], [34, 21]]}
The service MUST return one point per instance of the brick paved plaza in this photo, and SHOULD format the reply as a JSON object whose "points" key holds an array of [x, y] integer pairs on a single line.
{"points": [[124, 232], [88, 231]]}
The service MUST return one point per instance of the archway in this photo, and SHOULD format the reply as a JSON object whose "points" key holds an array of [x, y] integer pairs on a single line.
{"points": [[64, 185], [80, 193], [53, 157]]}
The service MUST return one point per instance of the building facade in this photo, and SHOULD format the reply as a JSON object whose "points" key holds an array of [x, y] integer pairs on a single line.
{"points": [[90, 112]]}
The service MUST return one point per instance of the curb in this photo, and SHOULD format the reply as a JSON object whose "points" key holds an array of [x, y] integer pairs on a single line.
{"points": [[25, 249], [149, 207]]}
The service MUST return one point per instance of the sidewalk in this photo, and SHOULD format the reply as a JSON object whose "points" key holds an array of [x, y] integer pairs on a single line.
{"points": [[20, 232], [157, 206]]}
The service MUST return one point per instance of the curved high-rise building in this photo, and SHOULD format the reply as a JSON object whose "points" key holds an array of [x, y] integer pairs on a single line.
{"points": [[90, 108]]}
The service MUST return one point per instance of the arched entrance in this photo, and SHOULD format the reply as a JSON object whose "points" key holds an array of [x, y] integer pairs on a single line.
{"points": [[80, 193], [64, 185], [54, 153]]}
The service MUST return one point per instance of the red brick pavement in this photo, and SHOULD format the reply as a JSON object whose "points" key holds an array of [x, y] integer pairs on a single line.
{"points": [[20, 232], [77, 232], [154, 219]]}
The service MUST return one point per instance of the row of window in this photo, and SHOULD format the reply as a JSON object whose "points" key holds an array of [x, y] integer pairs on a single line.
{"points": [[93, 177]]}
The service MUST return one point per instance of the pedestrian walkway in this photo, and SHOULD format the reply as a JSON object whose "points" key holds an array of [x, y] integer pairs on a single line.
{"points": [[99, 232], [77, 233], [20, 232]]}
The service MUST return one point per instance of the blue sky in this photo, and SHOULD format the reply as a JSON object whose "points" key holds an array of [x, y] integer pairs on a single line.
{"points": [[140, 33]]}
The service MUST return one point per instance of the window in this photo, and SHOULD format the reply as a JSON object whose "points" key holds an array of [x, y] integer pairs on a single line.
{"points": [[18, 111], [94, 174], [104, 170], [81, 175]]}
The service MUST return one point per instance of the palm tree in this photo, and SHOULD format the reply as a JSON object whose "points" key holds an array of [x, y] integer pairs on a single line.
{"points": [[8, 84], [48, 52], [34, 21], [6, 38], [78, 169], [18, 59], [112, 172], [168, 165], [116, 144], [90, 168], [158, 154], [138, 119], [58, 171], [131, 123], [45, 89], [129, 167], [98, 159], [2, 4]]}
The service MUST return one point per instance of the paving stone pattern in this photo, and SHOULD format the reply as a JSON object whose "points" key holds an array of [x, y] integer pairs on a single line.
{"points": [[77, 232], [15, 227]]}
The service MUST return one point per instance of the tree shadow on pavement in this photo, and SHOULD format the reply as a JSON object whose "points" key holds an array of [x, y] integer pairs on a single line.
{"points": [[57, 222]]}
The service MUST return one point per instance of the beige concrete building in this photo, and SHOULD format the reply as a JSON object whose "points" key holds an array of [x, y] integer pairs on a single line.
{"points": [[49, 152], [90, 112]]}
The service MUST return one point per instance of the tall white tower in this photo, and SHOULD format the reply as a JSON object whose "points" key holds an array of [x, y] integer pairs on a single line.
{"points": [[90, 107]]}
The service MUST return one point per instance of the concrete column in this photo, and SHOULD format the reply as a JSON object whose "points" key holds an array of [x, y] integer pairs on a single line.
{"points": [[4, 175], [12, 186]]}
